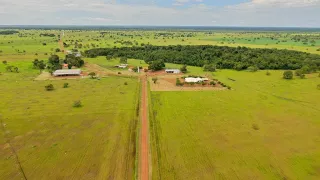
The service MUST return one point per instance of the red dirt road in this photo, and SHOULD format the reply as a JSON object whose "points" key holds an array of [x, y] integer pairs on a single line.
{"points": [[144, 145]]}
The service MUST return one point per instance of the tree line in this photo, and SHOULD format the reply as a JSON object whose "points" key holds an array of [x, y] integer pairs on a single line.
{"points": [[222, 57], [8, 32]]}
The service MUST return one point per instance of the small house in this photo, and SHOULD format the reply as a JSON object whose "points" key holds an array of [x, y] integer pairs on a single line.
{"points": [[172, 71], [67, 72]]}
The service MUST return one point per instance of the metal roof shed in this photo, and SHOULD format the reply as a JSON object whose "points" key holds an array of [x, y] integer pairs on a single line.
{"points": [[174, 71], [67, 72]]}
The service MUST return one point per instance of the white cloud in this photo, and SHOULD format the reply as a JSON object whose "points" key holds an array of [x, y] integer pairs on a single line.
{"points": [[99, 12]]}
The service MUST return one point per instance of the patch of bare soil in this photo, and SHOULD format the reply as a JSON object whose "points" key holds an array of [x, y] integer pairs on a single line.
{"points": [[100, 71]]}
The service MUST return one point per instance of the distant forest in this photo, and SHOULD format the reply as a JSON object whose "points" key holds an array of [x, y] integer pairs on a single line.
{"points": [[8, 32], [223, 57]]}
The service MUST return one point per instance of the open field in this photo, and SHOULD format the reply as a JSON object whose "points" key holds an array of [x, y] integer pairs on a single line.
{"points": [[266, 128], [54, 140]]}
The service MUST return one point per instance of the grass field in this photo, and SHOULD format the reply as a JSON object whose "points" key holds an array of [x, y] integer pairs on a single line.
{"points": [[54, 140], [265, 128]]}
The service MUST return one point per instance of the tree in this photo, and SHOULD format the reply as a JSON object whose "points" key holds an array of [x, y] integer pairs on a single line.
{"points": [[58, 50], [135, 69], [9, 68], [92, 75], [123, 60], [156, 65], [5, 62], [183, 69], [39, 65], [74, 61], [287, 74], [209, 67], [16, 69], [49, 87], [53, 63]]}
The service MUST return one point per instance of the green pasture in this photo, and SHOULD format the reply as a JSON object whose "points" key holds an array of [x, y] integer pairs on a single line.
{"points": [[54, 140], [265, 128]]}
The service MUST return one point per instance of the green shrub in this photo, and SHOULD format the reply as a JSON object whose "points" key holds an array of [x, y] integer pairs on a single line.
{"points": [[178, 82], [298, 72], [77, 104], [155, 79], [183, 69], [212, 83], [65, 85], [92, 75], [253, 68], [49, 87], [287, 75], [318, 87], [268, 73], [125, 83], [255, 127]]}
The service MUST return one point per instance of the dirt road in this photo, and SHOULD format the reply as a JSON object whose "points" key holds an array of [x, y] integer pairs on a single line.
{"points": [[61, 44], [144, 145]]}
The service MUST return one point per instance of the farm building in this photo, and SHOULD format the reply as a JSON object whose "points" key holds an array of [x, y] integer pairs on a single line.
{"points": [[195, 80], [173, 71], [67, 72], [123, 66]]}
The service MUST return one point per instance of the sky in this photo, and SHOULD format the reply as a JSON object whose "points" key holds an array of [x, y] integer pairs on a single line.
{"points": [[245, 13]]}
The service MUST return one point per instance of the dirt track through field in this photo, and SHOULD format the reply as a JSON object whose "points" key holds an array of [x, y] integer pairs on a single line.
{"points": [[144, 153], [61, 44]]}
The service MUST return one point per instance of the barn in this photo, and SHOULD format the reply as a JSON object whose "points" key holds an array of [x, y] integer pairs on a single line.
{"points": [[173, 71], [67, 72]]}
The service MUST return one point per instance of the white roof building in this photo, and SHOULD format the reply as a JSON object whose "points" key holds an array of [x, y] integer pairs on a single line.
{"points": [[174, 71], [122, 66], [67, 72], [195, 80]]}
